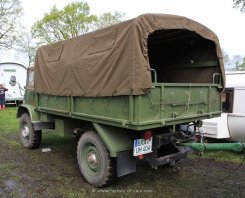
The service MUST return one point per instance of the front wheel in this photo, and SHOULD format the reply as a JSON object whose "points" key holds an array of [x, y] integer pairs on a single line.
{"points": [[28, 136], [94, 161]]}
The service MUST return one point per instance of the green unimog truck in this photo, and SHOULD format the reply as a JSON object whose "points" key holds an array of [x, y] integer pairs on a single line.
{"points": [[126, 91]]}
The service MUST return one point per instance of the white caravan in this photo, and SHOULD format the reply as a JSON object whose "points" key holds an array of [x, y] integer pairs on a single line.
{"points": [[231, 124], [16, 71]]}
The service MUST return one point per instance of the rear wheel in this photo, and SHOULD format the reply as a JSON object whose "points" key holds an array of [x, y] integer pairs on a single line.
{"points": [[28, 136], [94, 161]]}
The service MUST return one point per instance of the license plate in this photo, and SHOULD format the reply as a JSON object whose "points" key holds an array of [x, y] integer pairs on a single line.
{"points": [[142, 146]]}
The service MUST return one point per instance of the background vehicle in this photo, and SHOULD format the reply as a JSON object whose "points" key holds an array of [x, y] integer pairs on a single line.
{"points": [[15, 94], [125, 91], [231, 124]]}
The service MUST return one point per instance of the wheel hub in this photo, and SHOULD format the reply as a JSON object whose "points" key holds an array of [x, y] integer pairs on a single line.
{"points": [[92, 158], [25, 131]]}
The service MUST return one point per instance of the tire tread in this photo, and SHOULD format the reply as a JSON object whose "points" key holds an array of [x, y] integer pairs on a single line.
{"points": [[110, 171], [36, 138]]}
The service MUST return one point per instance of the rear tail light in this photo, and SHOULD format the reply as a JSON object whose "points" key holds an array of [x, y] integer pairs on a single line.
{"points": [[148, 135], [141, 156]]}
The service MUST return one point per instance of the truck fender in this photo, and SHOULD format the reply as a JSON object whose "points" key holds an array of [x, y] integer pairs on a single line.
{"points": [[35, 117], [25, 108], [120, 145], [114, 138]]}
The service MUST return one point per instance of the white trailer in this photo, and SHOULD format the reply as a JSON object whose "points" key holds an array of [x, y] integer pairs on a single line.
{"points": [[231, 124], [15, 94]]}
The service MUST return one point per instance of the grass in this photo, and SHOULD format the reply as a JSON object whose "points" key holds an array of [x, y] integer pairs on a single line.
{"points": [[218, 156], [31, 173], [8, 126], [8, 120]]}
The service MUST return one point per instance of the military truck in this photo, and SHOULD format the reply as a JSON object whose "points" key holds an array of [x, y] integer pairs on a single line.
{"points": [[125, 91]]}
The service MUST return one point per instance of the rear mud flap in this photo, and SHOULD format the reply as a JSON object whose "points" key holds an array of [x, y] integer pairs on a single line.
{"points": [[126, 163]]}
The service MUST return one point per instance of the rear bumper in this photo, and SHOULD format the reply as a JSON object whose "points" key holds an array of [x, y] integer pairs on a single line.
{"points": [[167, 159]]}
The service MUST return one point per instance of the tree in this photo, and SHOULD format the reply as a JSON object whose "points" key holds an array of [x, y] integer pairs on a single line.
{"points": [[58, 25], [27, 46], [226, 57], [239, 4], [241, 67], [227, 61], [237, 61], [10, 11], [108, 19], [73, 20]]}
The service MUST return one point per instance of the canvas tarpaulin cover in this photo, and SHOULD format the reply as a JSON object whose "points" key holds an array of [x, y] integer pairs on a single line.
{"points": [[108, 62]]}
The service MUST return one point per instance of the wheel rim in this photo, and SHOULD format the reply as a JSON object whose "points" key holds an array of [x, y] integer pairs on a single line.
{"points": [[90, 159], [25, 133]]}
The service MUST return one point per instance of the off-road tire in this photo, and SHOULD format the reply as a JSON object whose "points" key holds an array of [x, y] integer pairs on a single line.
{"points": [[28, 136], [101, 171]]}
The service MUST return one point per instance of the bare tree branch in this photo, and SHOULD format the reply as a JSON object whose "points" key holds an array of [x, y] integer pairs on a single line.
{"points": [[10, 11]]}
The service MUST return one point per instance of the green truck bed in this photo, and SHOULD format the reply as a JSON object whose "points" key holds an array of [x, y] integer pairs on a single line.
{"points": [[166, 104]]}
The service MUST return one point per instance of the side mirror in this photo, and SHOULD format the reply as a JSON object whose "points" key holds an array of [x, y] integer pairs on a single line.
{"points": [[12, 81]]}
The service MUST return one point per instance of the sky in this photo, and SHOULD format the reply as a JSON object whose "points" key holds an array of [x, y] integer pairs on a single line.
{"points": [[218, 15]]}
